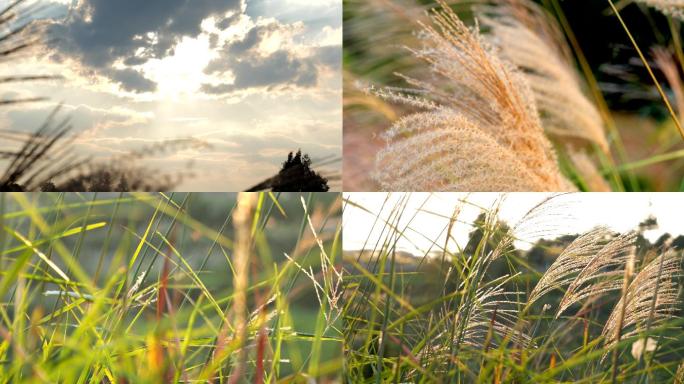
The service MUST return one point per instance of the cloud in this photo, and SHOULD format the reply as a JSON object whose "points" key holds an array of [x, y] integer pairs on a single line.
{"points": [[329, 56], [82, 119], [102, 33], [132, 80], [252, 66], [280, 68]]}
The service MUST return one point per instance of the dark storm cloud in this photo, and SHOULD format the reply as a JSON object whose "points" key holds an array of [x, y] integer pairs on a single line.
{"points": [[255, 36], [282, 68], [100, 32]]}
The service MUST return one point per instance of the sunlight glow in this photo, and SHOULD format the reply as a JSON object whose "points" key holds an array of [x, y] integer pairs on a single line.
{"points": [[571, 214], [179, 76]]}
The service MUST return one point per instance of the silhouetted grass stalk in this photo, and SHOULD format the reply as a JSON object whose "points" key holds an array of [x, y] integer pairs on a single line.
{"points": [[648, 68]]}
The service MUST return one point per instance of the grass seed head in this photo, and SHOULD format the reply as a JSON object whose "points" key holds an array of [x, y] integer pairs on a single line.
{"points": [[481, 130]]}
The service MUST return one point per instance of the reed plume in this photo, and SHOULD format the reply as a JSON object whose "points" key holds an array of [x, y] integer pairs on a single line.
{"points": [[523, 33], [19, 35], [670, 69], [481, 129], [602, 273], [679, 376], [650, 298], [492, 314], [572, 260]]}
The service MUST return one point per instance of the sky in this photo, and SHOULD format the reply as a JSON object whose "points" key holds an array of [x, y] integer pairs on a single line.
{"points": [[251, 80], [426, 215]]}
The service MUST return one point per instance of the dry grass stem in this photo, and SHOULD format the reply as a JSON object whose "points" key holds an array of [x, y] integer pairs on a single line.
{"points": [[493, 310], [588, 171], [242, 222]]}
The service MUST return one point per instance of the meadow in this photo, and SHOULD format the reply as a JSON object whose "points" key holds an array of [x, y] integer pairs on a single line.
{"points": [[148, 288], [593, 307]]}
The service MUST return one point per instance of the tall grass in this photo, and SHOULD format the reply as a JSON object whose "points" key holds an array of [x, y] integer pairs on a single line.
{"points": [[485, 312], [450, 131], [135, 288]]}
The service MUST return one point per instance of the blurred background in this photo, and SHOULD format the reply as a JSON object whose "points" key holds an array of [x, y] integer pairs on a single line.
{"points": [[180, 246]]}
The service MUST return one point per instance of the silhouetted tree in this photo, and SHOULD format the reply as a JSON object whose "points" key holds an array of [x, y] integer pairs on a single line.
{"points": [[296, 175], [111, 179], [476, 235], [11, 187], [648, 224]]}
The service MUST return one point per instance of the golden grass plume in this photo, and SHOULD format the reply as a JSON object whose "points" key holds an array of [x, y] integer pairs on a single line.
{"points": [[481, 129], [528, 37]]}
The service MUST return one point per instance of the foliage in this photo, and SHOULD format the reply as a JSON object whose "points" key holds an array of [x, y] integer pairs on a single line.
{"points": [[296, 175], [148, 288], [488, 312]]}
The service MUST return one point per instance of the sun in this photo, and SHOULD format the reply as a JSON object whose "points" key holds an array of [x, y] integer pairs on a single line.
{"points": [[180, 75]]}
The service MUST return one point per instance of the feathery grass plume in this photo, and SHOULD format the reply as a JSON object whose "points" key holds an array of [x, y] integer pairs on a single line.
{"points": [[547, 219], [481, 130], [523, 33], [494, 311], [621, 308], [653, 284], [602, 272], [674, 8], [39, 158], [669, 67], [486, 316], [573, 259], [38, 155]]}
